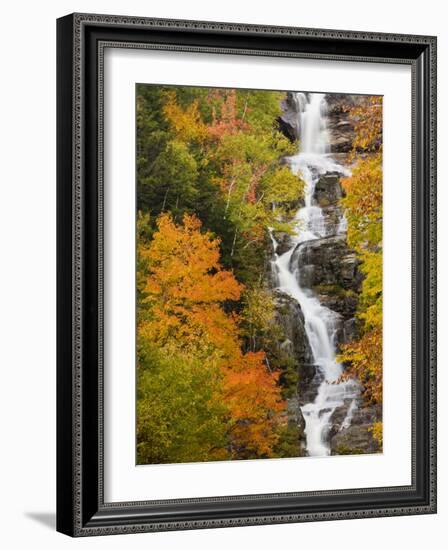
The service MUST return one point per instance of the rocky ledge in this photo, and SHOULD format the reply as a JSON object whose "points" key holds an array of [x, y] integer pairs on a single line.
{"points": [[327, 266], [358, 437], [340, 129], [289, 316], [328, 190]]}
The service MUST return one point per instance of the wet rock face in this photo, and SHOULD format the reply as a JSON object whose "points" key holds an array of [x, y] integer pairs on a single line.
{"points": [[328, 190], [332, 215], [295, 345], [284, 242], [340, 125], [354, 440], [288, 123], [290, 318], [340, 129], [327, 194], [327, 266], [331, 270], [297, 421], [358, 437]]}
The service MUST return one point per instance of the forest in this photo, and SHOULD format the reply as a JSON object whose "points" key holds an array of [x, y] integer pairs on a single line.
{"points": [[214, 192]]}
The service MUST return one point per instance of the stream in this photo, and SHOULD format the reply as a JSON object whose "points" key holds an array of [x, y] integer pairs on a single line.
{"points": [[312, 161]]}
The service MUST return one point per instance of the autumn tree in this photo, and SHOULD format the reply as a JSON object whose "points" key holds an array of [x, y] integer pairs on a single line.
{"points": [[180, 414], [254, 402], [363, 209], [218, 155], [246, 147], [214, 155], [184, 292], [185, 288]]}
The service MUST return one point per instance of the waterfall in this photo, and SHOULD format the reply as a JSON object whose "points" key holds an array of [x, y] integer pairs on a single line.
{"points": [[312, 160]]}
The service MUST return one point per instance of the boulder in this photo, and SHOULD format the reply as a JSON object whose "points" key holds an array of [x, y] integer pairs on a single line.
{"points": [[357, 438], [295, 347], [338, 299], [367, 414], [332, 215], [337, 418], [328, 190], [287, 121], [295, 413], [284, 242], [327, 263], [340, 128]]}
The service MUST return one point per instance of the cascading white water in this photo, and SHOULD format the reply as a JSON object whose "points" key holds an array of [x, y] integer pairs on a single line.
{"points": [[321, 323]]}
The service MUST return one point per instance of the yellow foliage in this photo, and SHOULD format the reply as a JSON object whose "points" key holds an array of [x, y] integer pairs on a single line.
{"points": [[377, 432], [187, 123], [365, 362], [368, 123], [363, 205]]}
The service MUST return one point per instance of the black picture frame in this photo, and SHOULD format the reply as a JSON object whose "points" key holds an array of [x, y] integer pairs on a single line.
{"points": [[81, 510]]}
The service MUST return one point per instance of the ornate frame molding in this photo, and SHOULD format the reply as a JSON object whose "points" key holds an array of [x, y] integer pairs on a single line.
{"points": [[81, 42]]}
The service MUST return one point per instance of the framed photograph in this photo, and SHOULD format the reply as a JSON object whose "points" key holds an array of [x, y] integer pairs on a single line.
{"points": [[246, 274]]}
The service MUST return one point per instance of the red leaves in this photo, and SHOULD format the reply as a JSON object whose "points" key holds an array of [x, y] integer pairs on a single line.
{"points": [[226, 122]]}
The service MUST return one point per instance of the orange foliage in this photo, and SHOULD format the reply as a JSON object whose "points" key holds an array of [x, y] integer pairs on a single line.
{"points": [[180, 257], [185, 288], [254, 402]]}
